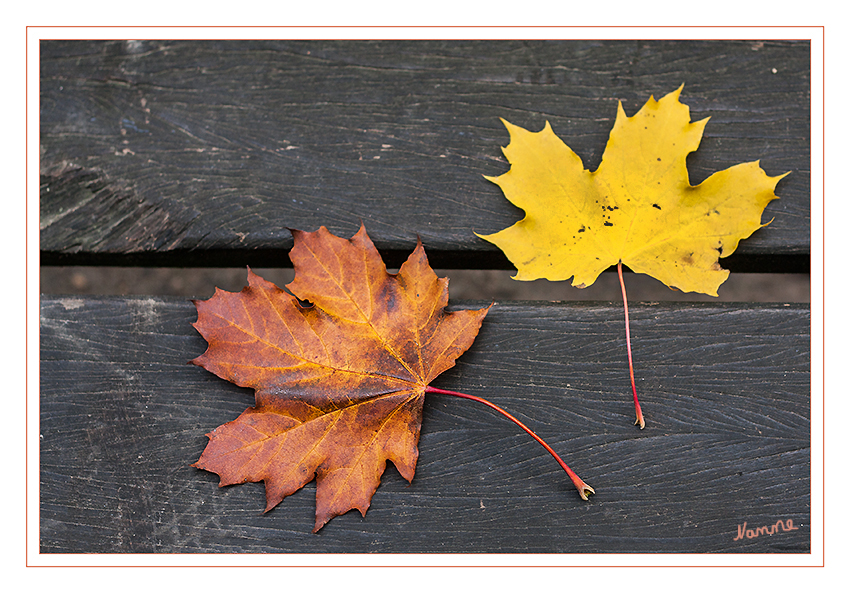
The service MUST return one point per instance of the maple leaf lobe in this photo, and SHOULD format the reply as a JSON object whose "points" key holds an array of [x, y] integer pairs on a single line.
{"points": [[638, 207], [339, 384]]}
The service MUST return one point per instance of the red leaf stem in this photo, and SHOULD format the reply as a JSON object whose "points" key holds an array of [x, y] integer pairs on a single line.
{"points": [[629, 347], [583, 489]]}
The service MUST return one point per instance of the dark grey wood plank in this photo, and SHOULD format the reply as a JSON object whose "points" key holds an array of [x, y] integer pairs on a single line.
{"points": [[204, 152], [725, 389]]}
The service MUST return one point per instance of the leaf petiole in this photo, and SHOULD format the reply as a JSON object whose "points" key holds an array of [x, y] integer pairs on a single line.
{"points": [[583, 489], [629, 347]]}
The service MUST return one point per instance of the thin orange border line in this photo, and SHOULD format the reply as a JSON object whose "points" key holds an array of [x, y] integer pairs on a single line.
{"points": [[823, 297]]}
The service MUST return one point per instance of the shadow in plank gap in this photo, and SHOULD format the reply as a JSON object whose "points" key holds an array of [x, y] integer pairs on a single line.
{"points": [[463, 285]]}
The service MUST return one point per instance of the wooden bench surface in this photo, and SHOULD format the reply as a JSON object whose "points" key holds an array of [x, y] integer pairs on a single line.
{"points": [[725, 392], [204, 153], [191, 153]]}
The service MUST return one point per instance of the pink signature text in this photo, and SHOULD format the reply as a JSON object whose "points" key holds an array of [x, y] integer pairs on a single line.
{"points": [[764, 529]]}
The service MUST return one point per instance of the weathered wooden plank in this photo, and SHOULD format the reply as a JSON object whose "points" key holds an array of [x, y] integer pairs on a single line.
{"points": [[725, 389], [204, 153]]}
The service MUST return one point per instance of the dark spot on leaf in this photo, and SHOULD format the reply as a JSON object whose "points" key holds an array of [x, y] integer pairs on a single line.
{"points": [[606, 223], [390, 302], [656, 206], [581, 230], [659, 160]]}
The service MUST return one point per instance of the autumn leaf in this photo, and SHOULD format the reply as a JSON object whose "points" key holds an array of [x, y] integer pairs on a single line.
{"points": [[637, 208], [340, 383]]}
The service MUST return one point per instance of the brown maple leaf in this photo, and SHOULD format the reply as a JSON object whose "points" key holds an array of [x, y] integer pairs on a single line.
{"points": [[339, 383]]}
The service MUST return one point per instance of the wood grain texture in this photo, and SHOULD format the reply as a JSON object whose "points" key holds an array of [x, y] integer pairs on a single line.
{"points": [[205, 152], [725, 389]]}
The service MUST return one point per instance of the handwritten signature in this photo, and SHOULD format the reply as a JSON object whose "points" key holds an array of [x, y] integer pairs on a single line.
{"points": [[764, 529]]}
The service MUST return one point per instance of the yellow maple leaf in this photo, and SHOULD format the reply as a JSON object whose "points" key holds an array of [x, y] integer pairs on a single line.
{"points": [[637, 208]]}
